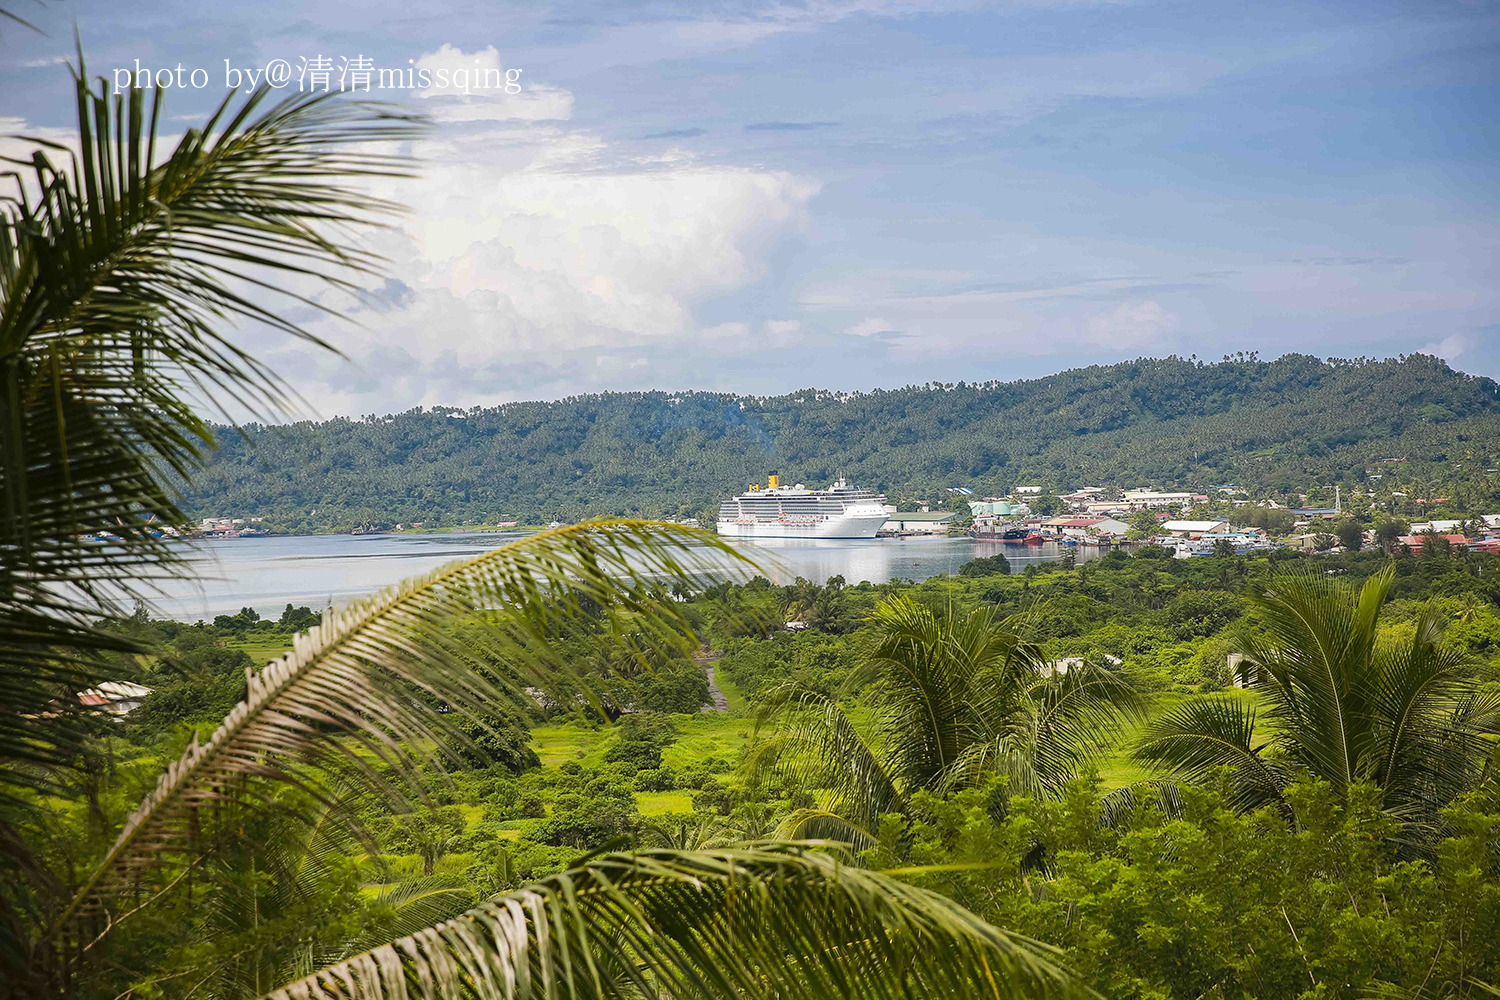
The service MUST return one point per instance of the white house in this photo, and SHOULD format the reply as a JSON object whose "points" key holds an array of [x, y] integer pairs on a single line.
{"points": [[1063, 665], [114, 697], [1189, 529]]}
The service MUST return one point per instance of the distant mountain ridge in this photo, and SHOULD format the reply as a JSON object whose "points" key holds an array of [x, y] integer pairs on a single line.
{"points": [[1169, 421]]}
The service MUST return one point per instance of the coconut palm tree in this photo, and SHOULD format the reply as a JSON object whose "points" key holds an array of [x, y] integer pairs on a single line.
{"points": [[122, 259], [952, 700], [119, 264], [1343, 705]]}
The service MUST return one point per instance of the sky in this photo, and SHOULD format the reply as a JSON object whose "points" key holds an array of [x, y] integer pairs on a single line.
{"points": [[759, 196]]}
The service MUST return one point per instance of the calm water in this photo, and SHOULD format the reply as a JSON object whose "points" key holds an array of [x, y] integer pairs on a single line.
{"points": [[266, 573]]}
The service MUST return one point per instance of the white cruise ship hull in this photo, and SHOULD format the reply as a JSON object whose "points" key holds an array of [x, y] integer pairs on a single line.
{"points": [[853, 524]]}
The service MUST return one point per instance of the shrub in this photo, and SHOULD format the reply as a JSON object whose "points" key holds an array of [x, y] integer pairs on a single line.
{"points": [[641, 755], [986, 566], [661, 779]]}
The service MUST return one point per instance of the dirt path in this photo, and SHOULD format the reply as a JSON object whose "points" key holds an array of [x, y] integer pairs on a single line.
{"points": [[716, 697]]}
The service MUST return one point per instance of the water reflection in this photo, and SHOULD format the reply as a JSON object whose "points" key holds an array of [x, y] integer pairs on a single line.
{"points": [[266, 573]]}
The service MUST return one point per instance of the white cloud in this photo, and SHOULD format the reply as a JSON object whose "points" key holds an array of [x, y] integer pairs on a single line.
{"points": [[1132, 324], [727, 331], [538, 260], [456, 73], [535, 103], [869, 327], [477, 86], [1450, 348]]}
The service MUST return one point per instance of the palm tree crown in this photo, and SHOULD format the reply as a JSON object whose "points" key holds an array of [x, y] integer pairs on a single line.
{"points": [[952, 699], [1343, 704]]}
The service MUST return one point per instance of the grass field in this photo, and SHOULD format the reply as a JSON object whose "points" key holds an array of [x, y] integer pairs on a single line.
{"points": [[709, 735]]}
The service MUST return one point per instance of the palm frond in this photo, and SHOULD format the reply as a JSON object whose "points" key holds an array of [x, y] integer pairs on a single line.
{"points": [[778, 921], [1196, 740], [1316, 651], [821, 824], [818, 746], [121, 264], [1118, 804], [364, 672], [1075, 720]]}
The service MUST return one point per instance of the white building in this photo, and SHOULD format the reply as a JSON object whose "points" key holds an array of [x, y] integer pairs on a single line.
{"points": [[919, 522], [1067, 663], [1151, 500], [1188, 529], [114, 697]]}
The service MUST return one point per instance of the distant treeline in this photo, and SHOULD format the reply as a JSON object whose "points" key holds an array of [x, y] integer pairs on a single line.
{"points": [[1273, 426]]}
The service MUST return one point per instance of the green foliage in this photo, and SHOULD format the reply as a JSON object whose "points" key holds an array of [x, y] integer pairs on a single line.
{"points": [[641, 755], [951, 699], [1343, 703], [1266, 425], [1211, 902], [497, 738], [986, 566]]}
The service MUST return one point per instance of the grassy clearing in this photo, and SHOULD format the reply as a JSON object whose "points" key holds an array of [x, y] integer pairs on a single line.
{"points": [[657, 803], [707, 735], [262, 652], [1117, 769], [557, 744]]}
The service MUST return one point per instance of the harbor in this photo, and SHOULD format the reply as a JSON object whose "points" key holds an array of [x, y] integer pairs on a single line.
{"points": [[315, 570]]}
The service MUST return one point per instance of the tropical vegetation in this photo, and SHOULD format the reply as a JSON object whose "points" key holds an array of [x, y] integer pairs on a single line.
{"points": [[948, 701], [120, 265], [1401, 717], [495, 780], [1275, 428]]}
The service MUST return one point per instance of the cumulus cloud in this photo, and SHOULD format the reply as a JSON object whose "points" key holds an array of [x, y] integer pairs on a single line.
{"points": [[1141, 323], [1450, 348], [538, 259], [477, 86]]}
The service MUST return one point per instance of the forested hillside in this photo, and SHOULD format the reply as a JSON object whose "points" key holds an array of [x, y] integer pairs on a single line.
{"points": [[1284, 424]]}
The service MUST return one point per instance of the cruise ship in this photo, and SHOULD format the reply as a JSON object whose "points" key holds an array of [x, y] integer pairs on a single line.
{"points": [[777, 511]]}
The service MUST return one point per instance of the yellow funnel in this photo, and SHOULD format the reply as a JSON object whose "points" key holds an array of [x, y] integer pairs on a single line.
{"points": [[775, 481]]}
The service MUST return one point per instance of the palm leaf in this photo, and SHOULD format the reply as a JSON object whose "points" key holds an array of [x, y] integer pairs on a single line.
{"points": [[775, 921], [361, 673], [1200, 738], [818, 746], [120, 265]]}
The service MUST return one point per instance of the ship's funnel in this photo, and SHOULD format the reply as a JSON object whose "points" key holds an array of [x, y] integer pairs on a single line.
{"points": [[775, 480]]}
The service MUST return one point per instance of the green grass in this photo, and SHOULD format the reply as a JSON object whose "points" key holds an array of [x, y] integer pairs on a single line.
{"points": [[657, 803], [557, 744], [704, 735], [1117, 769], [707, 735], [262, 652]]}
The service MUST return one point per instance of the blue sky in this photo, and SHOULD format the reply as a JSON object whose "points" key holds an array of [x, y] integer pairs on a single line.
{"points": [[762, 196]]}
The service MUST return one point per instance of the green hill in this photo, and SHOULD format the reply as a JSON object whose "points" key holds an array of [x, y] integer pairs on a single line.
{"points": [[1284, 424]]}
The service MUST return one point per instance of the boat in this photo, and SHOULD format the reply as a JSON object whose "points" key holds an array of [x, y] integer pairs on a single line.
{"points": [[998, 533], [841, 511]]}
